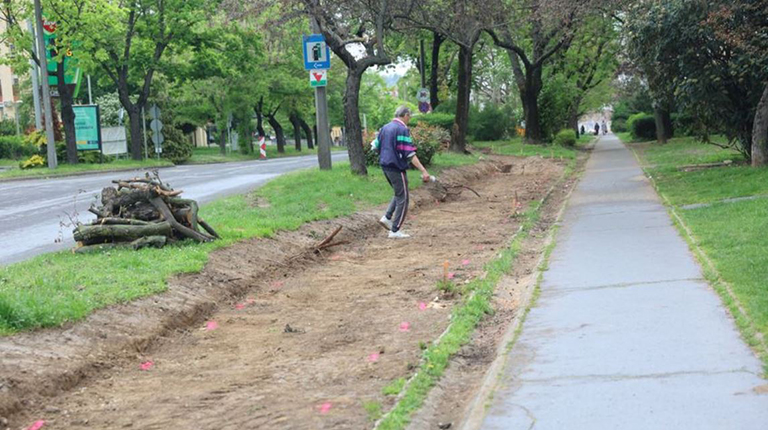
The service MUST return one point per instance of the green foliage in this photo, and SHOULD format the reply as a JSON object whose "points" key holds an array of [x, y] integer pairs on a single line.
{"points": [[176, 147], [32, 162], [491, 123], [8, 127], [642, 126], [373, 409], [619, 125], [554, 105], [16, 147], [394, 388], [429, 140], [436, 119], [566, 137], [109, 110], [93, 157]]}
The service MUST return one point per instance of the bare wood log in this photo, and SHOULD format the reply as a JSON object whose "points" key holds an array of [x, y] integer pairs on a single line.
{"points": [[144, 242], [142, 211], [207, 227], [192, 219], [328, 239], [160, 204], [119, 221], [149, 241], [91, 234], [330, 245], [148, 181]]}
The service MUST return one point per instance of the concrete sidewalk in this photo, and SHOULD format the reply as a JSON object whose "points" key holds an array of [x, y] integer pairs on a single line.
{"points": [[626, 334]]}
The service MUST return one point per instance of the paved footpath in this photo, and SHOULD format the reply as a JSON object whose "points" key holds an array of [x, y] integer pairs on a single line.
{"points": [[626, 334]]}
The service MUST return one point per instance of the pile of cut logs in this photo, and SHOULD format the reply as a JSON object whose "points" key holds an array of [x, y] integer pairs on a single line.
{"points": [[141, 212]]}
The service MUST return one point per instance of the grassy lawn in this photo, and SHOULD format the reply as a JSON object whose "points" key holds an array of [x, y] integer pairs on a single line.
{"points": [[55, 288], [730, 234], [516, 147], [66, 169], [213, 154]]}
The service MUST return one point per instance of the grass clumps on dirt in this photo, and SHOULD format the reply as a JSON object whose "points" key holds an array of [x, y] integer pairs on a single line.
{"points": [[464, 320], [56, 288], [721, 232], [373, 409], [395, 387]]}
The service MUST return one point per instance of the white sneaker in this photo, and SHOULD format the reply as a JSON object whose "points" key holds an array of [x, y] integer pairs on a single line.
{"points": [[398, 235], [386, 222]]}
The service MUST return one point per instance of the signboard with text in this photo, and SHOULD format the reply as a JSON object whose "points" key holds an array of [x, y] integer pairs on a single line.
{"points": [[87, 127]]}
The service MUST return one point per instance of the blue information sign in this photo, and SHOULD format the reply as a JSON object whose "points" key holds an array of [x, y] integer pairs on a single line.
{"points": [[317, 55]]}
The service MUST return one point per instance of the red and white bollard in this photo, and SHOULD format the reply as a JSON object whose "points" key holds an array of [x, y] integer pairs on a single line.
{"points": [[262, 148]]}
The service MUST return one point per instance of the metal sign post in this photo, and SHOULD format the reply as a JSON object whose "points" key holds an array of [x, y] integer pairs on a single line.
{"points": [[156, 126], [317, 58], [51, 144]]}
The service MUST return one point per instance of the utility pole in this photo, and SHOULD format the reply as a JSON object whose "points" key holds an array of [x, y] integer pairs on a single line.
{"points": [[422, 68], [52, 162], [321, 107], [35, 84]]}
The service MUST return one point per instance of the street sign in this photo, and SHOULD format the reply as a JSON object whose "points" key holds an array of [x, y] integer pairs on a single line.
{"points": [[424, 107], [317, 55], [422, 95], [318, 78], [154, 112], [87, 127], [156, 126]]}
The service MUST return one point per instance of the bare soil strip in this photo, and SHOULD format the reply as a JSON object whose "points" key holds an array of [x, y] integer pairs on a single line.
{"points": [[270, 334]]}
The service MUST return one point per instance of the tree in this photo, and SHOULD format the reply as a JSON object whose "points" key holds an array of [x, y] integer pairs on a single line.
{"points": [[685, 57], [360, 24], [128, 41], [532, 32]]}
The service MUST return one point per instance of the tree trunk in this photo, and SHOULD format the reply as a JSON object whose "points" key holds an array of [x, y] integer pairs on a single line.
{"points": [[134, 118], [760, 132], [434, 100], [294, 119], [67, 114], [461, 123], [90, 234], [278, 133], [530, 98], [259, 109], [223, 139], [307, 132], [658, 115], [354, 132], [669, 130], [573, 117]]}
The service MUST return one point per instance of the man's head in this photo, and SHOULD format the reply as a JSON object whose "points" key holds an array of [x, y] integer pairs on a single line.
{"points": [[403, 113]]}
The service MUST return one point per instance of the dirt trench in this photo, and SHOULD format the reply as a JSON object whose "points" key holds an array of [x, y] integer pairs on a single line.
{"points": [[268, 335]]}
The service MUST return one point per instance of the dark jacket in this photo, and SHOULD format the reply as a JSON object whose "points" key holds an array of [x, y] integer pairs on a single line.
{"points": [[396, 148]]}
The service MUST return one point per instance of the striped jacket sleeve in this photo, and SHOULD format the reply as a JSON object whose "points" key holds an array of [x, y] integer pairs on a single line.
{"points": [[405, 145]]}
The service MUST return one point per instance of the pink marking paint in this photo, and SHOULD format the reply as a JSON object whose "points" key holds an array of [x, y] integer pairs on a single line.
{"points": [[335, 257], [37, 425], [465, 262], [451, 275], [240, 306], [250, 301], [278, 284], [211, 325], [325, 408], [422, 306], [405, 326], [373, 357], [146, 365]]}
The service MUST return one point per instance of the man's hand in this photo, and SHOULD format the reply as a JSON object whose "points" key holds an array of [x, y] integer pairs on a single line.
{"points": [[425, 176]]}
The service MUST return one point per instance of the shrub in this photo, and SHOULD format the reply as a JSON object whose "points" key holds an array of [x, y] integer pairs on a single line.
{"points": [[566, 137], [619, 125], [429, 141], [15, 147], [442, 120], [642, 126], [176, 147], [490, 123], [7, 127], [32, 162]]}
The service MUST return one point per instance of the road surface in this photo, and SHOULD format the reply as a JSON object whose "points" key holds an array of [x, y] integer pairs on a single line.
{"points": [[31, 210], [626, 333]]}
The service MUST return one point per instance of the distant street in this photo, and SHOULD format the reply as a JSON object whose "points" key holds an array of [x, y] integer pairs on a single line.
{"points": [[31, 210]]}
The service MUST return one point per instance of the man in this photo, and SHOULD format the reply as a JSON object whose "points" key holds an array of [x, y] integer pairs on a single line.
{"points": [[396, 152]]}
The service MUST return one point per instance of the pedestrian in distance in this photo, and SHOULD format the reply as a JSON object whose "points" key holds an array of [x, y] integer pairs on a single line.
{"points": [[597, 129], [396, 152], [604, 126], [583, 131]]}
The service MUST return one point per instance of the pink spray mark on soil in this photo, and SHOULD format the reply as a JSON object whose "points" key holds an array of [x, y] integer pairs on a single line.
{"points": [[240, 306], [405, 326], [373, 357], [146, 365], [37, 425], [211, 325], [422, 306], [465, 262], [278, 284], [451, 275], [325, 408], [335, 257]]}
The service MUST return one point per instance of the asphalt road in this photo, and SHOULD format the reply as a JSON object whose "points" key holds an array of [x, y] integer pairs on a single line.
{"points": [[31, 211]]}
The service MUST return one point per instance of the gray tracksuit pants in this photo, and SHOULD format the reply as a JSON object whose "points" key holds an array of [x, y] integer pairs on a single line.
{"points": [[398, 207]]}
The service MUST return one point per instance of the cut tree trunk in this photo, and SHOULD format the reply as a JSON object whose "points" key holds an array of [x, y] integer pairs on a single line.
{"points": [[354, 132], [760, 132], [92, 234], [461, 122], [134, 118]]}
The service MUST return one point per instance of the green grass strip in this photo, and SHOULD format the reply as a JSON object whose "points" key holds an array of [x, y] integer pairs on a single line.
{"points": [[68, 169], [464, 320]]}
